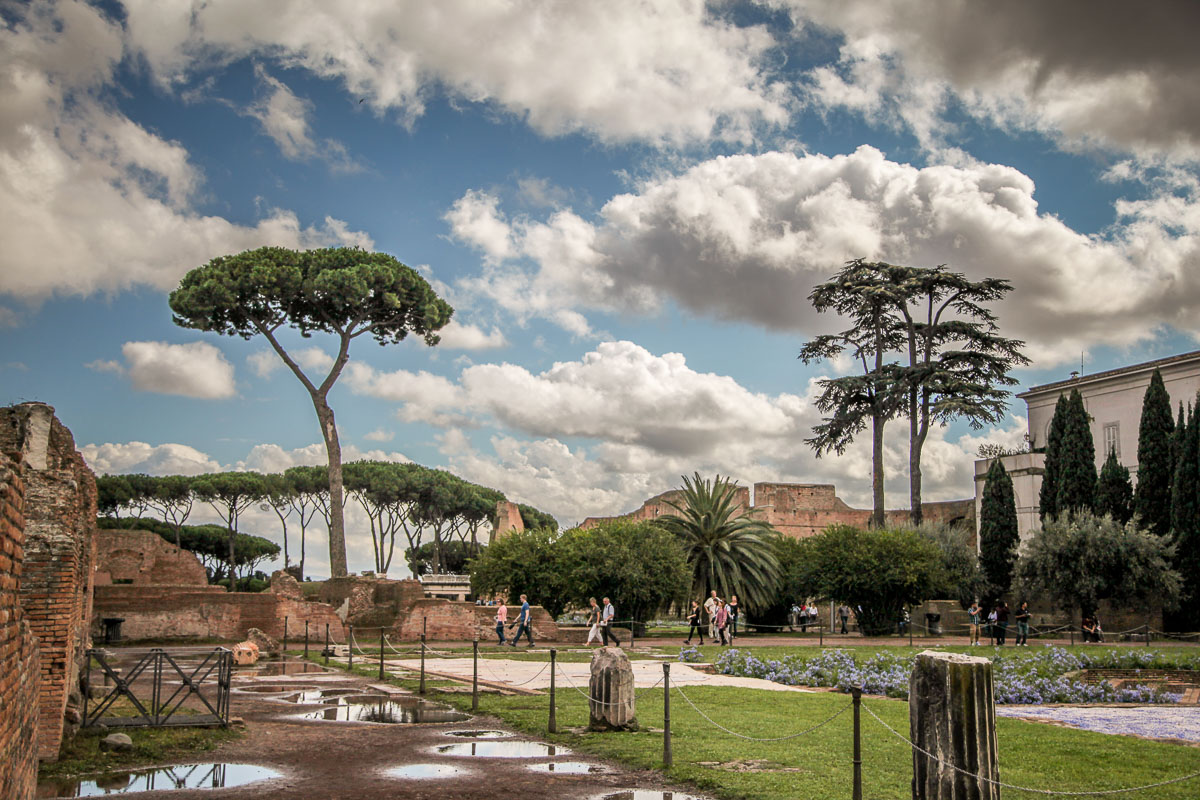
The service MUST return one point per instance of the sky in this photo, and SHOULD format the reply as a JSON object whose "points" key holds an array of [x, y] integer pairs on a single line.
{"points": [[626, 202]]}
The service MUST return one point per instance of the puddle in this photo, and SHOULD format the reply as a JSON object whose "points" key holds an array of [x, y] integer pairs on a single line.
{"points": [[320, 696], [287, 668], [569, 768], [649, 794], [517, 749], [426, 771], [186, 776], [400, 711], [274, 689], [478, 734]]}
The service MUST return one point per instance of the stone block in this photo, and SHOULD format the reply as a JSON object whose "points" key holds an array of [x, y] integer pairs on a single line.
{"points": [[952, 716], [284, 584], [245, 653], [116, 743], [611, 705], [265, 644]]}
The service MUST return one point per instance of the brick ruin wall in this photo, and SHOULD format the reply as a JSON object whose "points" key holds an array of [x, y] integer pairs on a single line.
{"points": [[19, 657], [142, 558], [59, 556], [800, 510], [508, 518]]}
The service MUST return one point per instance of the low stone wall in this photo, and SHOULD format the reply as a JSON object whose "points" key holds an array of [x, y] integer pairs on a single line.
{"points": [[210, 612], [19, 657], [449, 620], [143, 558]]}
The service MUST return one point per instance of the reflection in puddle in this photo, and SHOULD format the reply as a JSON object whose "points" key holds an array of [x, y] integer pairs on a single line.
{"points": [[371, 708], [288, 668], [516, 749], [569, 768], [649, 794], [478, 734], [427, 771], [274, 688], [319, 695], [186, 776]]}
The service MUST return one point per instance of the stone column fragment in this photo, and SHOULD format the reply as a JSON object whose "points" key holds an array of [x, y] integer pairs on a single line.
{"points": [[952, 714], [611, 690]]}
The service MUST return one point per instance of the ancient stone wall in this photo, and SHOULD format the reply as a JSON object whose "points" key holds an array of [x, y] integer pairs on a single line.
{"points": [[19, 658], [142, 558], [450, 620], [60, 553], [802, 509], [508, 519]]}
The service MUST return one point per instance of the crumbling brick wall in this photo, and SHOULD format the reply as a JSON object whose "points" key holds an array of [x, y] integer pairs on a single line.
{"points": [[60, 552], [19, 658], [144, 558]]}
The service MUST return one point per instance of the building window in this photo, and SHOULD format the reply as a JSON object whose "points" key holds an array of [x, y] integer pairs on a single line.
{"points": [[1112, 439]]}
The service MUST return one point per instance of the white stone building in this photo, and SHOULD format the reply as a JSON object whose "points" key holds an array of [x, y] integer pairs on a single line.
{"points": [[1113, 400]]}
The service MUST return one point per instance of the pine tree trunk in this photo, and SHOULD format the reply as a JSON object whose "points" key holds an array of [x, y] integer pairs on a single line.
{"points": [[337, 530]]}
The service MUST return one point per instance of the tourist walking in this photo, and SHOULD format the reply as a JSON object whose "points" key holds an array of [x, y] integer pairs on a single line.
{"points": [[812, 615], [973, 615], [694, 623], [796, 616], [710, 608], [501, 617], [1022, 618], [593, 620], [991, 624], [732, 606], [804, 618], [523, 624], [607, 615], [1001, 623], [844, 614], [721, 620]]}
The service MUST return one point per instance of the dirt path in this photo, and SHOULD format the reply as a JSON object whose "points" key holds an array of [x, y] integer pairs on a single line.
{"points": [[321, 759]]}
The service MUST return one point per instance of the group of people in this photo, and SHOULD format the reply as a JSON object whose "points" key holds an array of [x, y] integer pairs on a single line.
{"points": [[801, 615], [522, 622], [719, 616], [997, 620]]}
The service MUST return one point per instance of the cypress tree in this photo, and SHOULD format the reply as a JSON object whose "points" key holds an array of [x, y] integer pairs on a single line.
{"points": [[1048, 498], [1152, 498], [998, 535], [1185, 514], [1077, 460], [1114, 492]]}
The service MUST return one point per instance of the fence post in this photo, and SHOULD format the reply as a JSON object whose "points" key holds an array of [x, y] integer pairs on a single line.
{"points": [[1147, 634], [821, 634], [668, 759], [422, 689], [856, 694], [475, 674], [306, 639], [326, 644], [553, 727], [1072, 630], [632, 633], [910, 627], [380, 652], [350, 649], [285, 621]]}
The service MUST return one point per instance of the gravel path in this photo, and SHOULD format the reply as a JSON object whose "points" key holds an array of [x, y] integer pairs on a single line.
{"points": [[1153, 722]]}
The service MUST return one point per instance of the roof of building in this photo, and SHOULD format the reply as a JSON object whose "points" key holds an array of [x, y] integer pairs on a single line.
{"points": [[1112, 373]]}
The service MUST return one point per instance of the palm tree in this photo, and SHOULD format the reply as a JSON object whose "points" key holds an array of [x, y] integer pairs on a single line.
{"points": [[732, 554]]}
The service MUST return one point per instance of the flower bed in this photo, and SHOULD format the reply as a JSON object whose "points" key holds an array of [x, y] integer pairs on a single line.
{"points": [[1021, 677]]}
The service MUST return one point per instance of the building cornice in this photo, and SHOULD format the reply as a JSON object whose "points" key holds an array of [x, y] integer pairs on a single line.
{"points": [[1100, 377]]}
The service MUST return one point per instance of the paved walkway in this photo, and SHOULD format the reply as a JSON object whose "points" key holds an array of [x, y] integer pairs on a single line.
{"points": [[1154, 722]]}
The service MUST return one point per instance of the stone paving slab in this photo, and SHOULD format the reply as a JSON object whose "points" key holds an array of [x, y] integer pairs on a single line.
{"points": [[1153, 722], [526, 673]]}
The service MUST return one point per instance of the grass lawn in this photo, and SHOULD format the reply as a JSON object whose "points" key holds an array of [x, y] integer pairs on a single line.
{"points": [[151, 746], [817, 766]]}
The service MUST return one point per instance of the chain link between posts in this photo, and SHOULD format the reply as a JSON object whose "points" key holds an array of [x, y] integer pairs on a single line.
{"points": [[796, 735], [1001, 784]]}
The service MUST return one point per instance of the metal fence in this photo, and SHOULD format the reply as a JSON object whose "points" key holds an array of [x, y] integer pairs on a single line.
{"points": [[160, 691]]}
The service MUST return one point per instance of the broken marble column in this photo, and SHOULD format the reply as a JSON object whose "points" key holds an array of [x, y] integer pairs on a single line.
{"points": [[611, 691], [952, 715]]}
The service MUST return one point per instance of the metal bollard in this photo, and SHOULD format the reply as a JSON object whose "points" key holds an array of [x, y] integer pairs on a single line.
{"points": [[1072, 629], [422, 689], [632, 634], [350, 648], [1147, 634], [306, 638], [381, 653], [553, 726], [285, 621], [821, 635], [475, 674], [668, 759], [856, 694], [326, 644]]}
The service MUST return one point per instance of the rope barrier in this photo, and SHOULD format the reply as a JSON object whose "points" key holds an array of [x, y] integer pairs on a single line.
{"points": [[1001, 784], [716, 724], [510, 683], [392, 647]]}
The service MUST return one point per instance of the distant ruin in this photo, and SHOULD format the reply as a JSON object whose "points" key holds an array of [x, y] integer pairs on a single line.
{"points": [[800, 510]]}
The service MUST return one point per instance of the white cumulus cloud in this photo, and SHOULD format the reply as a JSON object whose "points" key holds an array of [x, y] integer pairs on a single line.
{"points": [[196, 369]]}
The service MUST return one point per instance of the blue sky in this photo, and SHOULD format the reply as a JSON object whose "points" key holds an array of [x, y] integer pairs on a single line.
{"points": [[626, 203]]}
